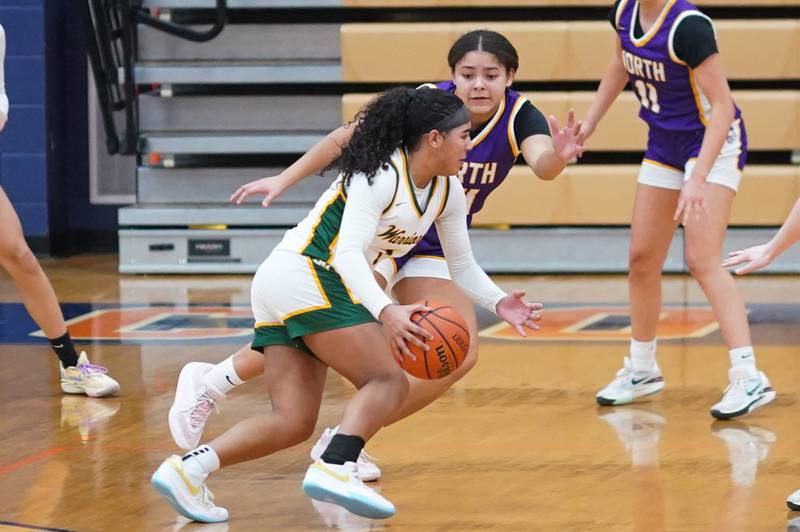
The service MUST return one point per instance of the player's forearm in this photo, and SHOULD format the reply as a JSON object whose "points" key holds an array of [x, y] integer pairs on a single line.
{"points": [[612, 83], [474, 282], [548, 165], [352, 266], [722, 115], [319, 156], [788, 234], [466, 274]]}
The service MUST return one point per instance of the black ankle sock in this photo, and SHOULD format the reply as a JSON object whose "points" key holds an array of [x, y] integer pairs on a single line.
{"points": [[343, 448], [65, 350]]}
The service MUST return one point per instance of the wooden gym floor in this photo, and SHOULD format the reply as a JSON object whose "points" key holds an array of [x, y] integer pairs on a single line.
{"points": [[519, 444]]}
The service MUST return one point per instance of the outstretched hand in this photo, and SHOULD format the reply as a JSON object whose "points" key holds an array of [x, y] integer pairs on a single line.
{"points": [[756, 257], [519, 313], [270, 187], [566, 143]]}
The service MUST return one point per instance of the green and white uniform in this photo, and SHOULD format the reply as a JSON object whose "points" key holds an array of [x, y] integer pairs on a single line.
{"points": [[320, 275]]}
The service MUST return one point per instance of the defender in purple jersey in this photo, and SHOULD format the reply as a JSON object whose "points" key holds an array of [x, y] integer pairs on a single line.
{"points": [[696, 149], [495, 150], [505, 126]]}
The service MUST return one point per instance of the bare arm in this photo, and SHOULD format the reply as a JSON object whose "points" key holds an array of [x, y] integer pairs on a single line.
{"points": [[712, 82], [546, 155], [614, 80], [314, 160]]}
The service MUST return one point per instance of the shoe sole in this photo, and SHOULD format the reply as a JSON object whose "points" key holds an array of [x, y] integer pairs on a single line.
{"points": [[758, 403], [604, 401], [162, 486], [792, 506], [368, 478], [77, 390], [353, 504], [173, 418]]}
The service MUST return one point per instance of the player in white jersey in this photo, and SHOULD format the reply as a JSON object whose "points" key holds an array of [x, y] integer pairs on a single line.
{"points": [[324, 309], [78, 376], [506, 128]]}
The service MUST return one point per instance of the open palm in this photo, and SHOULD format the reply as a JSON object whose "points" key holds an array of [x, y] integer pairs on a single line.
{"points": [[565, 140], [519, 313], [754, 258]]}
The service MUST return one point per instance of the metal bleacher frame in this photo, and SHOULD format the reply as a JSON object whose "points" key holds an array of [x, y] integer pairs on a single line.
{"points": [[208, 110]]}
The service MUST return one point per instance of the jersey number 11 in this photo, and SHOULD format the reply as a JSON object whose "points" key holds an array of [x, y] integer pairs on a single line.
{"points": [[647, 95]]}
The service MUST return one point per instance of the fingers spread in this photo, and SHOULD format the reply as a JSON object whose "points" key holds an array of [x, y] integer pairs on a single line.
{"points": [[552, 121]]}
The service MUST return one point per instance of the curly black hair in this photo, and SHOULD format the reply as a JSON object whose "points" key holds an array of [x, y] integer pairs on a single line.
{"points": [[397, 117], [484, 41]]}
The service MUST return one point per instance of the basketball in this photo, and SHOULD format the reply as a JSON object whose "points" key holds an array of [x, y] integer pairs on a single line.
{"points": [[448, 348]]}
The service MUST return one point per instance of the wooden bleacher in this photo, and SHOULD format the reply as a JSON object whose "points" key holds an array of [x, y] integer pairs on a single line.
{"points": [[575, 50], [772, 117], [563, 51], [603, 195], [215, 115]]}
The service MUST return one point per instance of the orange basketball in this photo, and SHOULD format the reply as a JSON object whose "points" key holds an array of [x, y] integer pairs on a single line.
{"points": [[448, 348]]}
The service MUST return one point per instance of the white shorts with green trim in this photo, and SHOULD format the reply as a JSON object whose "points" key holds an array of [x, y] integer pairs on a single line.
{"points": [[293, 295]]}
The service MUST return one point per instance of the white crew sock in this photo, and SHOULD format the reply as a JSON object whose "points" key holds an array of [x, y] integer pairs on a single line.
{"points": [[643, 355], [743, 357], [199, 463], [222, 377]]}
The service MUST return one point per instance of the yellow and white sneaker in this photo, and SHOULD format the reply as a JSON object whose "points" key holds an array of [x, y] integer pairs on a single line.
{"points": [[86, 378], [191, 499], [340, 485], [368, 470]]}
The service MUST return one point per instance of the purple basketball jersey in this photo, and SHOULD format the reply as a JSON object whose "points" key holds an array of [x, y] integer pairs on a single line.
{"points": [[665, 85], [494, 151]]}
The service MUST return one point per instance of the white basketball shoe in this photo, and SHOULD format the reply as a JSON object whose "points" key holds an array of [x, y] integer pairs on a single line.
{"points": [[340, 485], [194, 402], [748, 389], [368, 470], [190, 497], [629, 385]]}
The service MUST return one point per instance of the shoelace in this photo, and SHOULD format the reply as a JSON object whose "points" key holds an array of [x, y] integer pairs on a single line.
{"points": [[208, 496], [625, 372], [90, 369], [353, 470], [367, 458], [199, 410], [738, 385]]}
